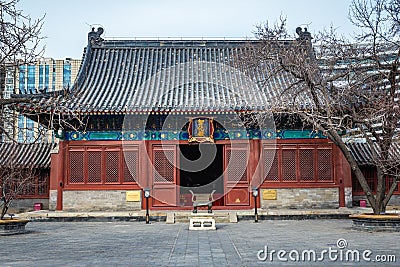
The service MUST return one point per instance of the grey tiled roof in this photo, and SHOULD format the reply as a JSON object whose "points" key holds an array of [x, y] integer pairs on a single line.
{"points": [[363, 154], [181, 75], [25, 155]]}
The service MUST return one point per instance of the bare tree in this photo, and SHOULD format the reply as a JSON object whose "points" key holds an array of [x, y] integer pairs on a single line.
{"points": [[20, 39], [15, 180], [348, 89], [20, 35], [20, 44]]}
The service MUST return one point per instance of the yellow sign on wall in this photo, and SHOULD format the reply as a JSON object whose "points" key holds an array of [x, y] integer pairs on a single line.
{"points": [[269, 194], [133, 196]]}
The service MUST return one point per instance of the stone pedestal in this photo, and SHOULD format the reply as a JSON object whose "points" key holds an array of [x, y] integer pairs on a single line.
{"points": [[202, 221], [371, 222], [12, 226]]}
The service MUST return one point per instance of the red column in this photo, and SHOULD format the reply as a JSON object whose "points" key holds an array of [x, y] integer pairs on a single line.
{"points": [[343, 175], [61, 173], [255, 169], [54, 173], [347, 181]]}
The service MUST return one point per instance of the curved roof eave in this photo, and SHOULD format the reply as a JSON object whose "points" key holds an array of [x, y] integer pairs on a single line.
{"points": [[146, 75]]}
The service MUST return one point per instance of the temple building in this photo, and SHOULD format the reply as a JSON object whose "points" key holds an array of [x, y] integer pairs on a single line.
{"points": [[175, 116], [25, 171]]}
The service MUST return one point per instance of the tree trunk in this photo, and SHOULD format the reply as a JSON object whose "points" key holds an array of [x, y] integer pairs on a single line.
{"points": [[389, 194], [333, 135], [377, 202], [4, 210], [380, 207]]}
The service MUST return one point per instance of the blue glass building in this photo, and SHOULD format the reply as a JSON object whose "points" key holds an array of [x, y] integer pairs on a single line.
{"points": [[45, 75]]}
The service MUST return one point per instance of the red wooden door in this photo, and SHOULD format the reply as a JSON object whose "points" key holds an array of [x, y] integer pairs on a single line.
{"points": [[164, 175], [236, 180]]}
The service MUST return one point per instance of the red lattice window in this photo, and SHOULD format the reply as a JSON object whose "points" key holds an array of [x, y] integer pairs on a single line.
{"points": [[131, 163], [370, 175], [94, 166], [306, 164], [76, 167], [32, 184], [43, 185], [325, 164], [289, 164], [237, 162], [112, 166], [163, 165], [271, 165], [29, 184], [390, 180]]}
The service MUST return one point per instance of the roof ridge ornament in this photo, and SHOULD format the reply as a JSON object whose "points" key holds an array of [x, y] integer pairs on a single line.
{"points": [[303, 35], [94, 36]]}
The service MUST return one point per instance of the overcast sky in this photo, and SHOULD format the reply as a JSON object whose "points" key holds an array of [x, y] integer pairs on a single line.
{"points": [[68, 22]]}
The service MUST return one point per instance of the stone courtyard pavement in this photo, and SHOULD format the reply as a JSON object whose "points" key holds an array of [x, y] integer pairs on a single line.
{"points": [[285, 242]]}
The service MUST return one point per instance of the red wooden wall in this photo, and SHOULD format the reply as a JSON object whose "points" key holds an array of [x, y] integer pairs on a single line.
{"points": [[101, 165]]}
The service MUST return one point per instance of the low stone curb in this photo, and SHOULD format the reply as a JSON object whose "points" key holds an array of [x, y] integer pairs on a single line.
{"points": [[13, 226], [296, 217], [162, 217], [98, 219], [376, 223]]}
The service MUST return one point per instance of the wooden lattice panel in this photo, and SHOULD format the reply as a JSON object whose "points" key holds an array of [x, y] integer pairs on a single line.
{"points": [[289, 164], [112, 166], [237, 162], [325, 165], [163, 166], [131, 160], [94, 166], [43, 182], [306, 164], [271, 165], [76, 167], [390, 180], [28, 189], [370, 176]]}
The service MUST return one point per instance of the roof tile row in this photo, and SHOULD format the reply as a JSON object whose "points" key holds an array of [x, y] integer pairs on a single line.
{"points": [[25, 155]]}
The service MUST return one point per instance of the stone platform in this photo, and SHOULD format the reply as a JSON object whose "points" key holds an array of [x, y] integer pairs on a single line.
{"points": [[376, 223], [12, 226], [202, 221], [220, 216]]}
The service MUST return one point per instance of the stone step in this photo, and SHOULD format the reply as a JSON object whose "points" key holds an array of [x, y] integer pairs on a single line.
{"points": [[220, 217]]}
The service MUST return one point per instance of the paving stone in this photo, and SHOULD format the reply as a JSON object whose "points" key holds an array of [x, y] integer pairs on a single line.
{"points": [[160, 244]]}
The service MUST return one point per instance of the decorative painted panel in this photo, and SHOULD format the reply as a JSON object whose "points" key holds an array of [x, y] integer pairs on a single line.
{"points": [[219, 134], [201, 130], [238, 196]]}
